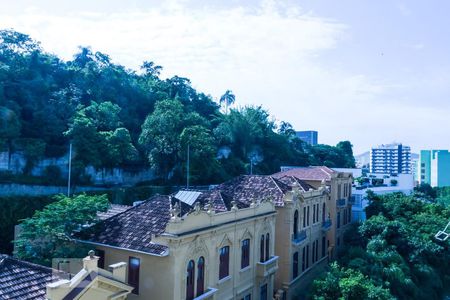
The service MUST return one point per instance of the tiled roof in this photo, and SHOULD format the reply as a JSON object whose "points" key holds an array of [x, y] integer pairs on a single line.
{"points": [[133, 228], [307, 173], [290, 180], [113, 210], [245, 188], [23, 280]]}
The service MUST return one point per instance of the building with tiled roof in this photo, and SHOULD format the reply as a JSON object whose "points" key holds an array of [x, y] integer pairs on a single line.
{"points": [[197, 244], [23, 280], [339, 185]]}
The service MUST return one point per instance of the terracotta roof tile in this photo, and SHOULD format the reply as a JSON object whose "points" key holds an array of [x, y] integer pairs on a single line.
{"points": [[307, 173], [23, 280]]}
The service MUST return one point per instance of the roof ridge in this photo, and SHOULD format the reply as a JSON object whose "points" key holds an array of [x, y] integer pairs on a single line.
{"points": [[27, 263]]}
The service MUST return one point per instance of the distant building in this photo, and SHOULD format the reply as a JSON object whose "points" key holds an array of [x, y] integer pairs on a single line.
{"points": [[379, 184], [434, 167], [390, 159], [308, 136]]}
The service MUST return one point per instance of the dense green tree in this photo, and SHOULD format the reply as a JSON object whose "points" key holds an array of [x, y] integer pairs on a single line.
{"points": [[48, 234], [396, 247]]}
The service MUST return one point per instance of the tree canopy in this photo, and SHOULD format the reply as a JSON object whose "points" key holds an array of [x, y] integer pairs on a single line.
{"points": [[48, 233], [396, 248], [117, 117]]}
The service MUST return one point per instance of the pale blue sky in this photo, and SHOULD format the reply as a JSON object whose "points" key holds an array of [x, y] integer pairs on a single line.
{"points": [[371, 72]]}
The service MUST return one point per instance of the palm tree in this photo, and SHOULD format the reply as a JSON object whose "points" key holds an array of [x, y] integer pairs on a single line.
{"points": [[228, 98]]}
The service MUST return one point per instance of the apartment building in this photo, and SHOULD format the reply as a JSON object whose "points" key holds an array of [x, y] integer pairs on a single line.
{"points": [[303, 221], [339, 185], [434, 167], [309, 136], [391, 159], [217, 244]]}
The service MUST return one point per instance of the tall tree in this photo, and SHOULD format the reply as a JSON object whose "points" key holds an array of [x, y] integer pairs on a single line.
{"points": [[228, 99]]}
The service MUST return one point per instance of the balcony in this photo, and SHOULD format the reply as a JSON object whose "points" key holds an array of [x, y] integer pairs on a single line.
{"points": [[267, 268], [326, 225], [207, 295], [299, 237], [341, 202]]}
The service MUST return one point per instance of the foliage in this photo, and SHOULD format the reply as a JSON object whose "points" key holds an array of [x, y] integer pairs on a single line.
{"points": [[349, 284], [47, 234], [395, 246], [116, 117]]}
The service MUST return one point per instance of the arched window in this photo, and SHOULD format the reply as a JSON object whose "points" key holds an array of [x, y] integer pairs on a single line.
{"points": [[224, 264], [200, 276], [261, 249], [295, 266], [190, 280], [295, 224], [267, 247], [245, 253], [323, 212]]}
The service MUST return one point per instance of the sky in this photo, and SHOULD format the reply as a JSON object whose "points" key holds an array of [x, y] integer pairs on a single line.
{"points": [[372, 72]]}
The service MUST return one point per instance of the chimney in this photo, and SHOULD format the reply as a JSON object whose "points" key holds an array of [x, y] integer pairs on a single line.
{"points": [[90, 262], [118, 271]]}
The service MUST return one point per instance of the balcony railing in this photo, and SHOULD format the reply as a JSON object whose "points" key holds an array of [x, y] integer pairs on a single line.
{"points": [[326, 225], [299, 237], [267, 268], [207, 295], [340, 202]]}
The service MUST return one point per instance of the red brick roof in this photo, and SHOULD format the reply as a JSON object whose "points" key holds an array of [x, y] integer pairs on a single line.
{"points": [[307, 173]]}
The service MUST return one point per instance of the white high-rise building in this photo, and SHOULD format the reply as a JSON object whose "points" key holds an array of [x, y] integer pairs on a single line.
{"points": [[391, 159]]}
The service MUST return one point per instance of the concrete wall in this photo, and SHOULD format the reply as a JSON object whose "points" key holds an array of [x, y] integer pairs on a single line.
{"points": [[116, 176], [14, 189]]}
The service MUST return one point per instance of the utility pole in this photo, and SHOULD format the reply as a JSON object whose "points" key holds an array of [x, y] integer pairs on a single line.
{"points": [[187, 169], [70, 169]]}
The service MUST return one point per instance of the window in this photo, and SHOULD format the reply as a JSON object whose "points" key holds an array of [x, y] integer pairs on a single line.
{"points": [[323, 246], [323, 212], [307, 216], [317, 250], [307, 256], [344, 221], [267, 247], [190, 275], [317, 212], [101, 258], [349, 190], [200, 276], [247, 297], [134, 264], [313, 257], [304, 259], [338, 221], [295, 265], [224, 264], [261, 249], [295, 223], [304, 217], [245, 255], [263, 292], [339, 191], [349, 214]]}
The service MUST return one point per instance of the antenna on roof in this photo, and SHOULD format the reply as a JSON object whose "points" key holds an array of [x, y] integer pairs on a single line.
{"points": [[187, 169]]}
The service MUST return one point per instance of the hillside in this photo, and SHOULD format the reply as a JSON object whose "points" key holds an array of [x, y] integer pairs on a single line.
{"points": [[116, 117]]}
